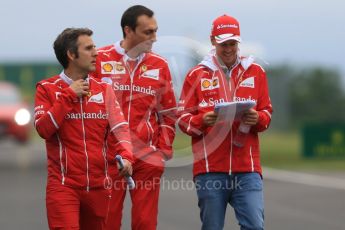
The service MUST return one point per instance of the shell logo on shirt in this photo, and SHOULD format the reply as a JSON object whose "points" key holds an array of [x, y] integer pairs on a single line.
{"points": [[107, 67], [112, 67], [205, 84], [209, 84]]}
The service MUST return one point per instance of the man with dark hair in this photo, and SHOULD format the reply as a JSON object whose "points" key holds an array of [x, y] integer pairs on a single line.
{"points": [[142, 83], [227, 167], [77, 115], [130, 16], [67, 41]]}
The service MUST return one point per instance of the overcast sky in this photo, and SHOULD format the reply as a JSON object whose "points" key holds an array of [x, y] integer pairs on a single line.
{"points": [[302, 32]]}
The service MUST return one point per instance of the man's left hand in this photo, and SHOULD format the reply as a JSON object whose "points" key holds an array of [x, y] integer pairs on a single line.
{"points": [[127, 169], [250, 117]]}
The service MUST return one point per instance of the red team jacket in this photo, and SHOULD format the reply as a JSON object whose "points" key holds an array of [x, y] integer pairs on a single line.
{"points": [[204, 87], [77, 131], [146, 97]]}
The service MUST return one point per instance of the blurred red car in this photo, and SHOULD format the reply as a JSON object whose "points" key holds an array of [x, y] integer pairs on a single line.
{"points": [[15, 116]]}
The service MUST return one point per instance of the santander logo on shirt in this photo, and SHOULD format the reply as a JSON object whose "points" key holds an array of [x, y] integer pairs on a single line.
{"points": [[245, 99], [211, 102], [99, 115], [136, 88]]}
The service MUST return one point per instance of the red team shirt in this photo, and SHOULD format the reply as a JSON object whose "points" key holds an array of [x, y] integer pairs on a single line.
{"points": [[77, 132], [145, 93], [205, 86]]}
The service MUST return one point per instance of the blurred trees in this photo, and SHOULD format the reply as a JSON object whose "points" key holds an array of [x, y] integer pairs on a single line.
{"points": [[309, 95], [299, 95]]}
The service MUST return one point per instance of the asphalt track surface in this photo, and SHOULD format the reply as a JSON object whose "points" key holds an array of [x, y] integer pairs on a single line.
{"points": [[288, 205]]}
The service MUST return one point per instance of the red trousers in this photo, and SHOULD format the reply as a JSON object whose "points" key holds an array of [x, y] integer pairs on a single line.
{"points": [[69, 208], [144, 197]]}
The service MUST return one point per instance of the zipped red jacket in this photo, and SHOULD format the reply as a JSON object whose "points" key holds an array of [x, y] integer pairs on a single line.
{"points": [[77, 132], [205, 86], [146, 96]]}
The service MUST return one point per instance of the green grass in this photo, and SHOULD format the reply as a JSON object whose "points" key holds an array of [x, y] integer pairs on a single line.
{"points": [[182, 145], [282, 150]]}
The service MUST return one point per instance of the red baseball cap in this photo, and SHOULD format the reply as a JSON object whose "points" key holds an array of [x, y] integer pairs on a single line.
{"points": [[225, 28]]}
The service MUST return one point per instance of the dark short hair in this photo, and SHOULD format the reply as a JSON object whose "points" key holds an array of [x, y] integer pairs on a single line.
{"points": [[130, 16], [67, 41]]}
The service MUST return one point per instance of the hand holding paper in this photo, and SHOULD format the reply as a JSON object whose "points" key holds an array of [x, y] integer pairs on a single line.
{"points": [[250, 117], [230, 111], [233, 110]]}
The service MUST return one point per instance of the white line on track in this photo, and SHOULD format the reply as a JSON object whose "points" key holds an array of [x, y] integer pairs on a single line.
{"points": [[304, 178]]}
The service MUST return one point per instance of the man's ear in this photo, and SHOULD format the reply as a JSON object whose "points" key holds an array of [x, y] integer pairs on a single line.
{"points": [[70, 55], [128, 30], [213, 41]]}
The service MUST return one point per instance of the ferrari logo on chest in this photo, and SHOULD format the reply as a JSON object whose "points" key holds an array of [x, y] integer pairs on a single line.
{"points": [[143, 68]]}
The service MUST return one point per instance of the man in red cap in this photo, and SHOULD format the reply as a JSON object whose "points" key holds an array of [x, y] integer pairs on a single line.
{"points": [[226, 171]]}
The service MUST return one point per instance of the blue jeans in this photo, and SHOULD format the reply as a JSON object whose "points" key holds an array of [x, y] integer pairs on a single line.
{"points": [[243, 191]]}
